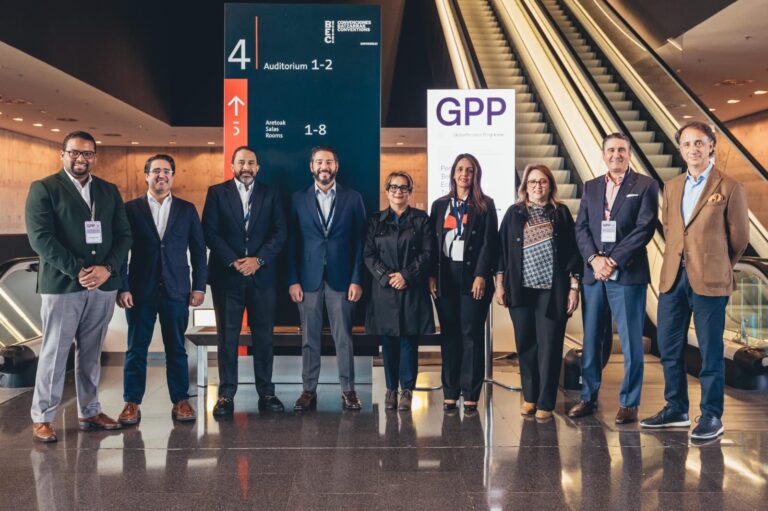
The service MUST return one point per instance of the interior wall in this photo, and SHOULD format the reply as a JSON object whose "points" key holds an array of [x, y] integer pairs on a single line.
{"points": [[752, 132]]}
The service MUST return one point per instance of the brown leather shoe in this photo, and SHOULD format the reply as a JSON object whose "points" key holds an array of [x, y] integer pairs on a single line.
{"points": [[350, 401], [183, 411], [543, 415], [581, 409], [131, 414], [406, 399], [100, 421], [43, 432], [390, 399], [527, 408], [626, 415], [307, 400]]}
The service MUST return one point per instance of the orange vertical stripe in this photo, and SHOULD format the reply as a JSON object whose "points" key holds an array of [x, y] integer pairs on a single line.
{"points": [[235, 119]]}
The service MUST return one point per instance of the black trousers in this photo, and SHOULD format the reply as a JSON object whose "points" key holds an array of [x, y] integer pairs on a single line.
{"points": [[230, 304], [462, 336], [539, 342]]}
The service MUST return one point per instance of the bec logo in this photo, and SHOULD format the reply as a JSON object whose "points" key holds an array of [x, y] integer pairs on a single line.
{"points": [[451, 111], [330, 32]]}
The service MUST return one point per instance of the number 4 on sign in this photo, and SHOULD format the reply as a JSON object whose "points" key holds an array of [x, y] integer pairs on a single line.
{"points": [[241, 58]]}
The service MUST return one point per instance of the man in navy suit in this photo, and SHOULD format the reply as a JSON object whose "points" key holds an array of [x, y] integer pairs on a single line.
{"points": [[617, 218], [156, 283], [324, 266], [245, 228]]}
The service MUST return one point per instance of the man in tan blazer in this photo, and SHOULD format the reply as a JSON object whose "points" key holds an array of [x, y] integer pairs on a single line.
{"points": [[706, 230]]}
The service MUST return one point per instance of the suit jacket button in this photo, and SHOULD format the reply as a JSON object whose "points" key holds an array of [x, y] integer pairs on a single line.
{"points": [[517, 239], [468, 263], [474, 231], [246, 239], [470, 248], [93, 252]]}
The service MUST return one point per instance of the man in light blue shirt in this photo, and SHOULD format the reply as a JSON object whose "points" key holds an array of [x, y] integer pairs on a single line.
{"points": [[694, 185]]}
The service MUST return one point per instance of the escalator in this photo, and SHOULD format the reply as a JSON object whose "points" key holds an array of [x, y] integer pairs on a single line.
{"points": [[608, 103]]}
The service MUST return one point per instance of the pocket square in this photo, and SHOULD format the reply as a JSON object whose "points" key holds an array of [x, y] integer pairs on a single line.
{"points": [[715, 197], [632, 195]]}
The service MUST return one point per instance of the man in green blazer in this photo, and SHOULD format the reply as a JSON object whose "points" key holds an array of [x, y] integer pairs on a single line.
{"points": [[77, 224]]}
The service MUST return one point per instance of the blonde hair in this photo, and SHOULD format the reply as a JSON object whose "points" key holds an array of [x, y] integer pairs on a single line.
{"points": [[522, 191]]}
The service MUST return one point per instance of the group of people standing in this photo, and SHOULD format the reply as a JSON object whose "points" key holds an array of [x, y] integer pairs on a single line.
{"points": [[538, 264]]}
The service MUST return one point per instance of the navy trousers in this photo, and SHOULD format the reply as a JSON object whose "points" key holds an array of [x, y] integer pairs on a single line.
{"points": [[174, 317], [401, 361], [675, 309], [627, 304]]}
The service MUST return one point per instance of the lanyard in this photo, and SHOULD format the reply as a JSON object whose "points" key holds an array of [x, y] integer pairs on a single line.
{"points": [[93, 210], [458, 210], [326, 221]]}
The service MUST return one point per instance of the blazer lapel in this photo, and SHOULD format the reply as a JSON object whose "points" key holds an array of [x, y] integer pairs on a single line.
{"points": [[233, 198], [172, 215], [624, 190], [256, 202], [147, 214], [68, 185], [311, 203], [341, 202], [466, 230], [712, 182]]}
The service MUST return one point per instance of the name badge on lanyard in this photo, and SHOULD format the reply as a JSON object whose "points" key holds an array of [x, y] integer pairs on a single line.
{"points": [[93, 228], [608, 231], [326, 221]]}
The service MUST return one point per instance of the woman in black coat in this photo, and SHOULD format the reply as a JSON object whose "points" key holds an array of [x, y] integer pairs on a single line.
{"points": [[465, 248], [538, 279], [398, 254]]}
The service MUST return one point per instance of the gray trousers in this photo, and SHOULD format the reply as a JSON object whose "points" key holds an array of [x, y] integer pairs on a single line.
{"points": [[83, 317], [340, 317]]}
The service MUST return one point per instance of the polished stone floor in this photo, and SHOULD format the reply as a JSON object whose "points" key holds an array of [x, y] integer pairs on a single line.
{"points": [[372, 459]]}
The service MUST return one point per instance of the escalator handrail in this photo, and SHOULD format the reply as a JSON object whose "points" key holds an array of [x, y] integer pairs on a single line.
{"points": [[10, 263], [702, 107], [595, 86], [476, 68]]}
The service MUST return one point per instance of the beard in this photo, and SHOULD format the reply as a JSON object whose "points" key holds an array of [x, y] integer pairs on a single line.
{"points": [[245, 177], [79, 170], [327, 181]]}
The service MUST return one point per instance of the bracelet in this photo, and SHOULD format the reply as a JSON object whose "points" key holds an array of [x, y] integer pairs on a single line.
{"points": [[574, 288]]}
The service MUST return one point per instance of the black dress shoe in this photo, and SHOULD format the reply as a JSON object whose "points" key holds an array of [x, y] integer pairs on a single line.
{"points": [[581, 409], [450, 406], [350, 401], [271, 403], [666, 418], [224, 406], [470, 407], [307, 400]]}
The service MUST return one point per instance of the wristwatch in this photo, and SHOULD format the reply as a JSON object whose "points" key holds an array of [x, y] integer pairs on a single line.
{"points": [[261, 261], [574, 287], [109, 268]]}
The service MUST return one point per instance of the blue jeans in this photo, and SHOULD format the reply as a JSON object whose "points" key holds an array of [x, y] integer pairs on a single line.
{"points": [[401, 361], [627, 304], [174, 317], [675, 309]]}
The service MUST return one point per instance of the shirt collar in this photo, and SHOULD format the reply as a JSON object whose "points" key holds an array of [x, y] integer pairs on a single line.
{"points": [[619, 180], [328, 193], [241, 187], [76, 182], [167, 200], [702, 177]]}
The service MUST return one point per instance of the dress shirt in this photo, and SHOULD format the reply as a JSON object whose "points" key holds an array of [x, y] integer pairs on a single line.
{"points": [[612, 191], [160, 212], [325, 199], [692, 191], [245, 198], [84, 190]]}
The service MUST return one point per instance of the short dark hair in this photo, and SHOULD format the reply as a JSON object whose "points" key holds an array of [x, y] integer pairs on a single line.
{"points": [[328, 148], [619, 136], [399, 173], [242, 148], [78, 134], [165, 157], [702, 127]]}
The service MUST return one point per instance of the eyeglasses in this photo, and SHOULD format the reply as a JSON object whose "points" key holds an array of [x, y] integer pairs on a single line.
{"points": [[165, 172], [541, 182], [75, 154], [401, 188]]}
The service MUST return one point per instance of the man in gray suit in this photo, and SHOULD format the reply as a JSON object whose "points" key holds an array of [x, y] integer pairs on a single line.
{"points": [[77, 224]]}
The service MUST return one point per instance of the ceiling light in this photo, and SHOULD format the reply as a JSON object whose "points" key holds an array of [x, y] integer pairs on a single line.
{"points": [[55, 130], [172, 142], [211, 143], [687, 116], [733, 101], [133, 142], [43, 112], [37, 125], [760, 92], [98, 141], [399, 143], [18, 119], [712, 109]]}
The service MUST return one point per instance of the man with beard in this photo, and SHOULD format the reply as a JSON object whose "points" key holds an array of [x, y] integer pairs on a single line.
{"points": [[77, 225], [244, 226], [164, 226], [324, 267]]}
